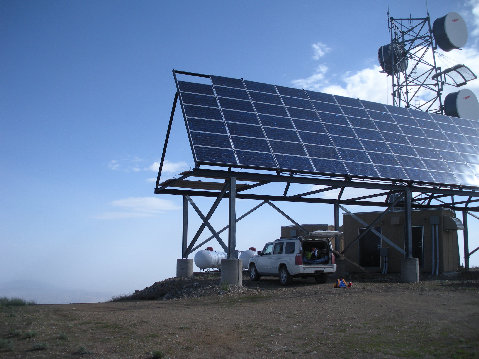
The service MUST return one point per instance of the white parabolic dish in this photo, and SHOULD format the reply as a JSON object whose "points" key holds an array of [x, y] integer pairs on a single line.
{"points": [[450, 31]]}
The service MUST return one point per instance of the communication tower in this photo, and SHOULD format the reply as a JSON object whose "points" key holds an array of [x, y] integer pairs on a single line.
{"points": [[410, 59]]}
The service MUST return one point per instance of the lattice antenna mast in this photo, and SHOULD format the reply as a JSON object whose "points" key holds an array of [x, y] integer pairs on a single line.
{"points": [[410, 60]]}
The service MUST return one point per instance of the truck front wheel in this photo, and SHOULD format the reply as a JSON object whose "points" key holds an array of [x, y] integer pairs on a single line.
{"points": [[253, 273]]}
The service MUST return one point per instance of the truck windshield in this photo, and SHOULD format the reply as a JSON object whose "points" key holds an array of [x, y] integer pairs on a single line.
{"points": [[268, 248]]}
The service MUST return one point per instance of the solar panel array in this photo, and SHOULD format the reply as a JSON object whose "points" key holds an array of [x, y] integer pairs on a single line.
{"points": [[233, 122]]}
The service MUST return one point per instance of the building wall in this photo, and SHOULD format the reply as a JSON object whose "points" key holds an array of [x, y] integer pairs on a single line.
{"points": [[392, 227]]}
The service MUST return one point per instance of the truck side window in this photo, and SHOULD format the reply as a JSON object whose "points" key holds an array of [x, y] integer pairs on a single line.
{"points": [[278, 248], [290, 246], [268, 248]]}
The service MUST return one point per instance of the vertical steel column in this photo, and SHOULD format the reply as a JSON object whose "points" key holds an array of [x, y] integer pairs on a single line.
{"points": [[408, 223], [185, 228], [232, 220], [336, 226], [466, 240]]}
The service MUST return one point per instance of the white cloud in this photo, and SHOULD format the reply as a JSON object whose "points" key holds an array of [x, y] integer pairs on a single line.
{"points": [[474, 4], [135, 207], [319, 50], [169, 167], [315, 82]]}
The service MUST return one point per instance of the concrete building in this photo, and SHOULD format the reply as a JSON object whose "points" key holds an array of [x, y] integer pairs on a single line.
{"points": [[434, 241]]}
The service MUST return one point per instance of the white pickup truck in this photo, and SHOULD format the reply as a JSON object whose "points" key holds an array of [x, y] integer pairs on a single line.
{"points": [[296, 257]]}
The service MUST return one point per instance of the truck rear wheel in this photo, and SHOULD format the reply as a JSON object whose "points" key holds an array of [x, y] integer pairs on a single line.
{"points": [[284, 276]]}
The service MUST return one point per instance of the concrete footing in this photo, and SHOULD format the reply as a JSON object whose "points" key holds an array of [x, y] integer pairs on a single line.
{"points": [[184, 268], [232, 272], [410, 270]]}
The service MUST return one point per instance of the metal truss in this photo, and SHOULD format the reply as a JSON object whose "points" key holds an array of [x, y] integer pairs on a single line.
{"points": [[422, 78]]}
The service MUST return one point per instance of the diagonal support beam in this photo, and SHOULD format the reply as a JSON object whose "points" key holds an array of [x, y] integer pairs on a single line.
{"points": [[226, 227], [288, 217], [206, 221], [380, 235], [172, 115]]}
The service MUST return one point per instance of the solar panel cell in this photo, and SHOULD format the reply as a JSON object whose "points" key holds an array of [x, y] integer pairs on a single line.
{"points": [[287, 148], [297, 102], [270, 109], [391, 172], [353, 155], [248, 143], [303, 114], [361, 169], [261, 87], [195, 88], [255, 159], [234, 104], [348, 101], [319, 96], [329, 166], [275, 121], [281, 134], [265, 98], [238, 129], [226, 81], [202, 112], [355, 112], [231, 92], [294, 162], [373, 106], [240, 117], [311, 126], [214, 155], [346, 142], [288, 91], [322, 152], [195, 99], [209, 139], [315, 138], [383, 159], [196, 124], [339, 130]]}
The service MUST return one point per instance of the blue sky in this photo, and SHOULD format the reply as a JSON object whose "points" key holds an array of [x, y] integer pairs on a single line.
{"points": [[85, 94]]}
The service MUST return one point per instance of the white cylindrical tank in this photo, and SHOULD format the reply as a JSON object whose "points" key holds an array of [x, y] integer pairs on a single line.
{"points": [[246, 255], [450, 31], [462, 104], [208, 258]]}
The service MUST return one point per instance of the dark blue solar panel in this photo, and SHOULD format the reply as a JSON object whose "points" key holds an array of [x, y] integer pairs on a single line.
{"points": [[346, 142], [203, 112], [375, 146], [374, 106], [195, 88], [303, 114], [288, 91], [268, 109], [297, 102], [214, 155], [275, 121], [226, 81], [322, 152], [329, 166], [258, 86], [203, 100], [248, 143], [231, 92], [266, 98], [319, 96], [287, 148], [353, 155], [255, 159], [281, 134], [315, 138], [362, 123], [294, 162], [326, 107], [210, 139], [390, 172], [311, 126], [250, 124], [196, 124], [348, 101], [333, 118], [355, 112], [241, 117], [361, 169], [234, 104], [239, 129]]}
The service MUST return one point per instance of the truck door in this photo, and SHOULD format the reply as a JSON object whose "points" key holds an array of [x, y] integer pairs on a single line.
{"points": [[263, 262]]}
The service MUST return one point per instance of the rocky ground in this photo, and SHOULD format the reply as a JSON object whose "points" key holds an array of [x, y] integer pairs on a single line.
{"points": [[198, 318]]}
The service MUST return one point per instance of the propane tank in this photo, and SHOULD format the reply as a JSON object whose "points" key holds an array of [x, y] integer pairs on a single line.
{"points": [[208, 258], [246, 255]]}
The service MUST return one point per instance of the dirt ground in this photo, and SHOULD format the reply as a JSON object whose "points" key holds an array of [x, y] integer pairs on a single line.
{"points": [[372, 319]]}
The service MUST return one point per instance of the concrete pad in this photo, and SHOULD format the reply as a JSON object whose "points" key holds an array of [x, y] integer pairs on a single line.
{"points": [[232, 272], [410, 270], [184, 268]]}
